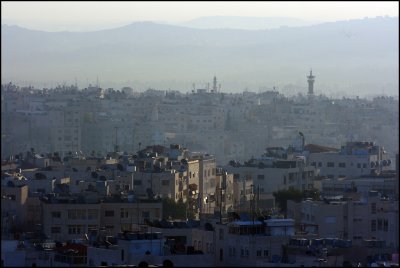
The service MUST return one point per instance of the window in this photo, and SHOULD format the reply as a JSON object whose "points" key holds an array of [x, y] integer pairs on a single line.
{"points": [[385, 225], [56, 214], [56, 229], [319, 164], [165, 183], [358, 165], [260, 177], [75, 229], [373, 225], [330, 164], [258, 253], [265, 253], [364, 165], [342, 165], [380, 224], [109, 213], [137, 182], [314, 164]]}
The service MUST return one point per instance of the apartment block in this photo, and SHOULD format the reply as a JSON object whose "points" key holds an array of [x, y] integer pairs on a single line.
{"points": [[66, 221]]}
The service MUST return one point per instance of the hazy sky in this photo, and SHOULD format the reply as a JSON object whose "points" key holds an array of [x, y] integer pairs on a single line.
{"points": [[55, 16]]}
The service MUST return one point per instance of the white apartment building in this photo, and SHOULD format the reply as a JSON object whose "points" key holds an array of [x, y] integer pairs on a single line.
{"points": [[370, 218], [269, 177], [353, 160]]}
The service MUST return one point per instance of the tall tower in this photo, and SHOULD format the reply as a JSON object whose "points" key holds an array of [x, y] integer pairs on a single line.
{"points": [[310, 81], [215, 84]]}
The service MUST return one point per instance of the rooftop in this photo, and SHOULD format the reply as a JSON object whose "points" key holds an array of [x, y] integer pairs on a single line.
{"points": [[314, 148]]}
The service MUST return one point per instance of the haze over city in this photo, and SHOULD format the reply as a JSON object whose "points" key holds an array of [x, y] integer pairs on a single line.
{"points": [[249, 45]]}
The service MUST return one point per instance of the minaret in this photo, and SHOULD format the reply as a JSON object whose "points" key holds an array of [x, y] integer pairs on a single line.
{"points": [[310, 81], [215, 84]]}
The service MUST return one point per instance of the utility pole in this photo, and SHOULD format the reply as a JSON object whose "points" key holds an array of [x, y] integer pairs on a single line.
{"points": [[220, 204]]}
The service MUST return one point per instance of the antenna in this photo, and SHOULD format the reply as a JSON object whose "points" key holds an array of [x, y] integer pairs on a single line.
{"points": [[97, 82]]}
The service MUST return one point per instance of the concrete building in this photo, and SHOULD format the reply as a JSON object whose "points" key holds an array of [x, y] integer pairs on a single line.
{"points": [[372, 217], [380, 183], [271, 173], [13, 208], [353, 160], [68, 220], [251, 243]]}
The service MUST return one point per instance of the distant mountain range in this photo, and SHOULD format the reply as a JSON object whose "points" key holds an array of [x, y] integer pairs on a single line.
{"points": [[246, 23], [356, 56]]}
